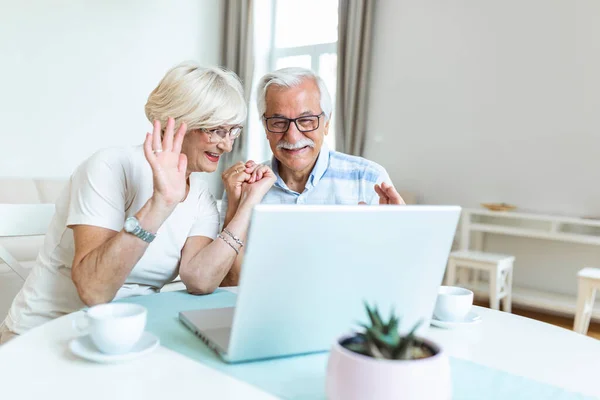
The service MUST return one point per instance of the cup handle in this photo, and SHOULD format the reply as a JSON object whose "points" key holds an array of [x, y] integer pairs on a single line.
{"points": [[82, 323]]}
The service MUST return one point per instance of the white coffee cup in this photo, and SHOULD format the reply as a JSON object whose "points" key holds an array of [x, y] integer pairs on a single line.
{"points": [[115, 327], [453, 303]]}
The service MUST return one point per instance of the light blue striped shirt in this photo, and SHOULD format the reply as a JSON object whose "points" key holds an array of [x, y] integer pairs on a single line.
{"points": [[336, 178]]}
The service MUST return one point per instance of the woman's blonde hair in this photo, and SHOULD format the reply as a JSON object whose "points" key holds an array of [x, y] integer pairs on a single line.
{"points": [[202, 97]]}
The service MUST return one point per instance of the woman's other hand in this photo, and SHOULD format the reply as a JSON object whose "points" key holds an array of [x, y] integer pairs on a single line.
{"points": [[260, 181], [233, 178]]}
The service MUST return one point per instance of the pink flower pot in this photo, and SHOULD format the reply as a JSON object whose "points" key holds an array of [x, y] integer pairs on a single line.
{"points": [[353, 376]]}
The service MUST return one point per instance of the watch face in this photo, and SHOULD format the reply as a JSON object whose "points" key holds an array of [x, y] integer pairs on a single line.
{"points": [[130, 224]]}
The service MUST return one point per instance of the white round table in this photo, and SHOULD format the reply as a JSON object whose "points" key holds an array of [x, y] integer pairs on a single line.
{"points": [[39, 364], [527, 347]]}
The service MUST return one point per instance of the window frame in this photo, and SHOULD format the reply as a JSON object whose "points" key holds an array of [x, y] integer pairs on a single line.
{"points": [[314, 51]]}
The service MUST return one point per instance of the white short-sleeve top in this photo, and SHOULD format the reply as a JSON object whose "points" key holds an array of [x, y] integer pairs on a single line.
{"points": [[110, 186]]}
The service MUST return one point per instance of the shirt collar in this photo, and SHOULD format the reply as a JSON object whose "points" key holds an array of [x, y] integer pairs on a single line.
{"points": [[320, 166]]}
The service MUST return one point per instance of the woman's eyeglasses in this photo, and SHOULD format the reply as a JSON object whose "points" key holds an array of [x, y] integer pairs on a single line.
{"points": [[234, 132]]}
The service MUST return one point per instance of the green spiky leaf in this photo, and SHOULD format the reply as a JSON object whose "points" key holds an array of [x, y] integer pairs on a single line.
{"points": [[401, 352], [374, 316], [381, 339]]}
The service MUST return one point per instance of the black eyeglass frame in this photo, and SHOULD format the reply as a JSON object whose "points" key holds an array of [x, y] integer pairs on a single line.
{"points": [[295, 121]]}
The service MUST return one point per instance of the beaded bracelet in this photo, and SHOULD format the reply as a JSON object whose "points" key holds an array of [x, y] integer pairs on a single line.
{"points": [[237, 239], [229, 243]]}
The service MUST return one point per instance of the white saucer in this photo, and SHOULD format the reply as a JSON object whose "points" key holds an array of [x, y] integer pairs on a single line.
{"points": [[83, 347], [472, 318]]}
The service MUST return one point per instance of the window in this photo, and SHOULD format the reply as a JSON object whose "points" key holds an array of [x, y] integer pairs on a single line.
{"points": [[301, 34]]}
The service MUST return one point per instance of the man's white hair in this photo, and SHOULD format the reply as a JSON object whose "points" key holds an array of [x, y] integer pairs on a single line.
{"points": [[199, 96], [288, 78]]}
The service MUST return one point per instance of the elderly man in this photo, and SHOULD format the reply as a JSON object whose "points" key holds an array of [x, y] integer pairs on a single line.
{"points": [[296, 108]]}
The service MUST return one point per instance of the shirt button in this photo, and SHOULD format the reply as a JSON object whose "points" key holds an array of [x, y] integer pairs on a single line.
{"points": [[300, 200]]}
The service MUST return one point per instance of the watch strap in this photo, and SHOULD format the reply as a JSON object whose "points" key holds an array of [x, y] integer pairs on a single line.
{"points": [[144, 234]]}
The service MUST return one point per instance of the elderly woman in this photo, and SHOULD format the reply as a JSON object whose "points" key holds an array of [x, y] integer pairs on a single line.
{"points": [[131, 219]]}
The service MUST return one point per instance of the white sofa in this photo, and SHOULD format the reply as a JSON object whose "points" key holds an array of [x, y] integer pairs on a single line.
{"points": [[24, 249]]}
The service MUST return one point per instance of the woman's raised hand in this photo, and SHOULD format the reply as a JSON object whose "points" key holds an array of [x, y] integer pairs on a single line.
{"points": [[167, 163]]}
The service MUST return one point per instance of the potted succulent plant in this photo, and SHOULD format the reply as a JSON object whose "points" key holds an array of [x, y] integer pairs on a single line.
{"points": [[380, 363]]}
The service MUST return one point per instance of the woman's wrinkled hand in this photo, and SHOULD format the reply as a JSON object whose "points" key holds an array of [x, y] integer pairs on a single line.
{"points": [[256, 187], [167, 163], [235, 176]]}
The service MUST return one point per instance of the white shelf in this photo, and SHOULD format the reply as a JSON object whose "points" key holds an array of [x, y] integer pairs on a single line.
{"points": [[539, 300], [534, 217], [536, 233]]}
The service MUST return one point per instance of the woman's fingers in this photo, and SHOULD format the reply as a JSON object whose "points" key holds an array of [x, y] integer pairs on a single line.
{"points": [[177, 142], [232, 170], [248, 172], [254, 173], [236, 174], [251, 169], [148, 148], [182, 164], [257, 174], [167, 142], [156, 142]]}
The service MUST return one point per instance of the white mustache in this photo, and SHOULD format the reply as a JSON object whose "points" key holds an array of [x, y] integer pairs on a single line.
{"points": [[295, 146]]}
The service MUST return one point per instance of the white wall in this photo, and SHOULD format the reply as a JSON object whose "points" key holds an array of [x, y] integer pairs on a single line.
{"points": [[75, 75], [483, 100]]}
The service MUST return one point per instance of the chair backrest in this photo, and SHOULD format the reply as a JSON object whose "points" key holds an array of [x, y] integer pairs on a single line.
{"points": [[22, 220], [25, 219]]}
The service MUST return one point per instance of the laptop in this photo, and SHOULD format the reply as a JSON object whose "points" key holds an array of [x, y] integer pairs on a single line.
{"points": [[308, 270]]}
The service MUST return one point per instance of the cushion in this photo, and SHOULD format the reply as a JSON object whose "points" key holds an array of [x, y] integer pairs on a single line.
{"points": [[50, 189], [18, 191]]}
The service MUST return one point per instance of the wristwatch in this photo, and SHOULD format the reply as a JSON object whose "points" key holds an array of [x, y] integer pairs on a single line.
{"points": [[132, 225]]}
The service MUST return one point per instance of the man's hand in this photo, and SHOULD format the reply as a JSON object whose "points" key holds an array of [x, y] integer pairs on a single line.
{"points": [[388, 194]]}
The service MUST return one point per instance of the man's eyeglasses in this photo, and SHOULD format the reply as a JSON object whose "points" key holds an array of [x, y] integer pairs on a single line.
{"points": [[306, 123], [234, 132]]}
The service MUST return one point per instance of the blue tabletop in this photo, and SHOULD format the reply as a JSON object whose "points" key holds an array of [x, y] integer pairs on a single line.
{"points": [[303, 377]]}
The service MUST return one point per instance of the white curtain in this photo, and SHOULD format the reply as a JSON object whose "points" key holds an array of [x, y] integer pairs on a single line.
{"points": [[237, 56], [354, 51]]}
